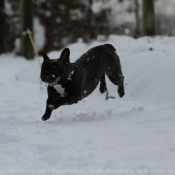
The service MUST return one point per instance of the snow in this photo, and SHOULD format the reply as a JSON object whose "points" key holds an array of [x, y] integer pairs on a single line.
{"points": [[131, 135]]}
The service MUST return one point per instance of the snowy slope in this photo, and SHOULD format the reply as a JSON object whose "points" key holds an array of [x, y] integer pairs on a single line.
{"points": [[132, 135]]}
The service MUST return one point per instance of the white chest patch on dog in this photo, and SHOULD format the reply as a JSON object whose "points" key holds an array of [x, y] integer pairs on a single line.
{"points": [[60, 89]]}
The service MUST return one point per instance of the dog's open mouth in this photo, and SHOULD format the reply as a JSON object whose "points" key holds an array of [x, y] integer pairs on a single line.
{"points": [[57, 80], [51, 83]]}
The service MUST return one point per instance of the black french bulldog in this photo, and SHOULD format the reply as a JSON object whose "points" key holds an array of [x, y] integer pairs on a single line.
{"points": [[69, 83]]}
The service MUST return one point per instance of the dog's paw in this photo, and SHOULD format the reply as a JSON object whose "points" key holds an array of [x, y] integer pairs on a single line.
{"points": [[51, 106], [44, 117], [103, 88], [121, 91]]}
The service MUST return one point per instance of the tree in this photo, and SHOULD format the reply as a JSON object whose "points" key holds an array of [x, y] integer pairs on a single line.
{"points": [[148, 17], [136, 12], [26, 22], [2, 24], [67, 20]]}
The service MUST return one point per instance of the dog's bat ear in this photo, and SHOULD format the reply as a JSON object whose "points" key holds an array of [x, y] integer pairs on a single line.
{"points": [[65, 55], [45, 57]]}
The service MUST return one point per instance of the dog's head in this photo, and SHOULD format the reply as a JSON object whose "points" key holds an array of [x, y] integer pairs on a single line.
{"points": [[55, 70]]}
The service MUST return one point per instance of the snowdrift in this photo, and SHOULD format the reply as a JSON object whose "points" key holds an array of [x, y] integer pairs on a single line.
{"points": [[135, 133]]}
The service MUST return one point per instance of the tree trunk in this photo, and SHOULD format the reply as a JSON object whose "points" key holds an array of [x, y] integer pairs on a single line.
{"points": [[26, 22], [148, 17], [137, 26], [2, 27]]}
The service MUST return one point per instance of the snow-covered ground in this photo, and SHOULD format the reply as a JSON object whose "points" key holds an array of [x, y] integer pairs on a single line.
{"points": [[132, 135]]}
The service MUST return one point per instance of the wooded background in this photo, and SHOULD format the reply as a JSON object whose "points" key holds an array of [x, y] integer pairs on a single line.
{"points": [[65, 21]]}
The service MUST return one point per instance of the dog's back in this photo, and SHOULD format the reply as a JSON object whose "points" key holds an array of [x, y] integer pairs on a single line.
{"points": [[98, 61], [97, 56]]}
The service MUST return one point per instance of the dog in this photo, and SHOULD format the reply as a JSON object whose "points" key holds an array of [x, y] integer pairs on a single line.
{"points": [[69, 83]]}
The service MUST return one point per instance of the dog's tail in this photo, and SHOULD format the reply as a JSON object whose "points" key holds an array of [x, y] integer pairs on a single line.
{"points": [[110, 46]]}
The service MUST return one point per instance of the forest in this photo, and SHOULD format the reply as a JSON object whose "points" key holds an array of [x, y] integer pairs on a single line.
{"points": [[55, 24]]}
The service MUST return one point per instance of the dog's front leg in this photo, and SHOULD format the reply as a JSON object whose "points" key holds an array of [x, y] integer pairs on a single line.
{"points": [[50, 105], [68, 100], [48, 111], [53, 96]]}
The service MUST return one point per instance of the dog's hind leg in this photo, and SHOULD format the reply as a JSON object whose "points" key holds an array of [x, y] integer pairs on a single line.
{"points": [[117, 78], [103, 86], [121, 90]]}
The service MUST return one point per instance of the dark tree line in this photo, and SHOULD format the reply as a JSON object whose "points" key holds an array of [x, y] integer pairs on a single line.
{"points": [[64, 21]]}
